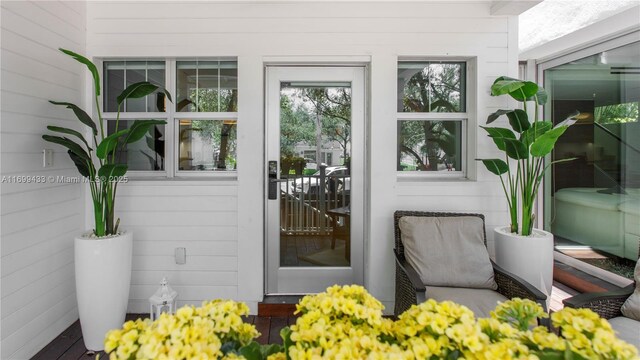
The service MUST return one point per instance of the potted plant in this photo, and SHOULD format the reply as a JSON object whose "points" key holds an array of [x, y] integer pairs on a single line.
{"points": [[520, 248], [103, 255]]}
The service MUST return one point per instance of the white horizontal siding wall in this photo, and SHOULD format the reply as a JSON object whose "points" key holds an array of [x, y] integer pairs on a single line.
{"points": [[200, 216], [39, 220], [305, 31]]}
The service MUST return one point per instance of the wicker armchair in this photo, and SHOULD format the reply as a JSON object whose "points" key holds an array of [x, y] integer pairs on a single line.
{"points": [[410, 290], [607, 305]]}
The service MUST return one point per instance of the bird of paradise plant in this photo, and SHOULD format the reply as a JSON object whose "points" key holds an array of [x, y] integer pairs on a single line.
{"points": [[528, 143], [103, 171]]}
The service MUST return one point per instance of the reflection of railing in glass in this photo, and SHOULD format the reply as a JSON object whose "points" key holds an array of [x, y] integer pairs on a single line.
{"points": [[305, 200]]}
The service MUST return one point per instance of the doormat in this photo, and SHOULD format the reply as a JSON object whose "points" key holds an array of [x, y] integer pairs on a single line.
{"points": [[327, 257]]}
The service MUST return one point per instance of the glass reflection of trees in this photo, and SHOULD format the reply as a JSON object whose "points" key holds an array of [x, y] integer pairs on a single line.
{"points": [[315, 116], [426, 88]]}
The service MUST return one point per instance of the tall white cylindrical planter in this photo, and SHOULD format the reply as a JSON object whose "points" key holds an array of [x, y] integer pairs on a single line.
{"points": [[529, 257], [103, 276]]}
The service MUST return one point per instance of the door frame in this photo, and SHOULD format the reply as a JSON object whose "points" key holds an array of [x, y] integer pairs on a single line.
{"points": [[273, 75]]}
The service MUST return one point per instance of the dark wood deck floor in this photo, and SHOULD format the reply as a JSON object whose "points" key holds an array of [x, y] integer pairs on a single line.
{"points": [[69, 344]]}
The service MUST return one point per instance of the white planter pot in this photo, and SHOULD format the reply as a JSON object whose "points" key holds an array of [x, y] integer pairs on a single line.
{"points": [[529, 257], [103, 276]]}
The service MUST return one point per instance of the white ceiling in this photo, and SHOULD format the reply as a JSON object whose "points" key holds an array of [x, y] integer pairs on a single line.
{"points": [[552, 19]]}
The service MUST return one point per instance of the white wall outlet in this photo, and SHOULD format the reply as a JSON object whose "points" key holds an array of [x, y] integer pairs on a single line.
{"points": [[47, 158], [181, 256]]}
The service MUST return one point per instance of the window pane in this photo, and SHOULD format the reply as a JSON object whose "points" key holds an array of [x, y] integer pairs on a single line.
{"points": [[429, 145], [120, 74], [431, 87], [207, 86], [207, 145], [146, 154], [593, 208]]}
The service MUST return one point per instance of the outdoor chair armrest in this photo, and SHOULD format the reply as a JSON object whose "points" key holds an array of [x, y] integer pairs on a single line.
{"points": [[512, 286], [409, 288], [606, 304]]}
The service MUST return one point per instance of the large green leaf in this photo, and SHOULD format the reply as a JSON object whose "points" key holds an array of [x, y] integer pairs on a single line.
{"points": [[82, 165], [545, 143], [519, 120], [517, 89], [505, 85], [570, 120], [541, 96], [69, 144], [285, 334], [137, 90], [80, 114], [270, 349], [496, 166], [251, 351], [91, 66], [70, 132], [109, 143], [516, 149], [166, 92], [141, 127], [492, 117], [111, 171], [535, 131], [498, 135]]}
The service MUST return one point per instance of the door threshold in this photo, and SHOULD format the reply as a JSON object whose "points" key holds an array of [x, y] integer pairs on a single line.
{"points": [[278, 305]]}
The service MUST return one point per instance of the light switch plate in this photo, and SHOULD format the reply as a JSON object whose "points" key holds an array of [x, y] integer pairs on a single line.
{"points": [[47, 158], [181, 256]]}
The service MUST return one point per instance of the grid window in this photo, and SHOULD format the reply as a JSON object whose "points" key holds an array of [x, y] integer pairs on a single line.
{"points": [[207, 86], [207, 145], [432, 118], [200, 134], [431, 86], [120, 74], [144, 155], [426, 145]]}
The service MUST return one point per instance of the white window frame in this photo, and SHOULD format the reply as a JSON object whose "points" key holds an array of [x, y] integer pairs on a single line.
{"points": [[466, 118], [172, 118]]}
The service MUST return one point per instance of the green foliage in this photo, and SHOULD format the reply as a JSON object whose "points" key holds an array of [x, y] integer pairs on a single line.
{"points": [[105, 173], [536, 140], [314, 116], [80, 114], [617, 114], [90, 66]]}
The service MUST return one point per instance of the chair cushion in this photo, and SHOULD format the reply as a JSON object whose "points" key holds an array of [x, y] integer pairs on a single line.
{"points": [[631, 307], [480, 301], [627, 330], [447, 251]]}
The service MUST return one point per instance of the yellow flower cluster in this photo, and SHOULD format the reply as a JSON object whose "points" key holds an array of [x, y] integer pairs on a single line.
{"points": [[192, 333], [347, 323], [440, 329], [342, 323], [590, 336]]}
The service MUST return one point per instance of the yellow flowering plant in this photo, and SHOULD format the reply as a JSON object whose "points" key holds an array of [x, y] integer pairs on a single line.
{"points": [[213, 331], [346, 322]]}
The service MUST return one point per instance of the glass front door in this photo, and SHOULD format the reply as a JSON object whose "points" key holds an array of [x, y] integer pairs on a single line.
{"points": [[315, 132]]}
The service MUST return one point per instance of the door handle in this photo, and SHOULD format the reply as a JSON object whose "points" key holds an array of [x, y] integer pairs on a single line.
{"points": [[273, 180], [273, 188]]}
